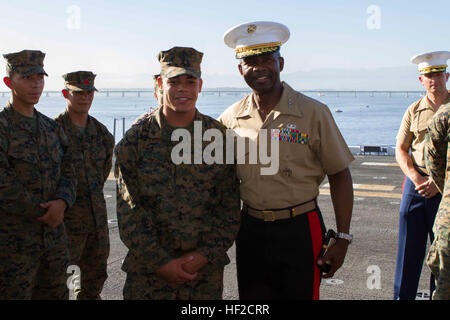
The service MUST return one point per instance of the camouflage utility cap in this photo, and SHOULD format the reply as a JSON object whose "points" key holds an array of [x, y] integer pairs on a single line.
{"points": [[25, 63], [180, 60], [79, 81]]}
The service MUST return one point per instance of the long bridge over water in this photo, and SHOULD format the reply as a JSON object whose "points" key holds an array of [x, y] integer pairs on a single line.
{"points": [[220, 92], [386, 150]]}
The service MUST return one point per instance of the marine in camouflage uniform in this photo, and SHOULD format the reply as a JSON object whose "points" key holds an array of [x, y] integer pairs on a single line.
{"points": [[437, 158], [86, 222], [35, 169], [166, 211]]}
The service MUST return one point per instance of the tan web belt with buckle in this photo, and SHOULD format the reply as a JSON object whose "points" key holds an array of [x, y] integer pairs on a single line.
{"points": [[279, 214]]}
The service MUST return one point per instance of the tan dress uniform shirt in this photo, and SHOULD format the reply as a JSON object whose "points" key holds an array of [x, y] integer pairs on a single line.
{"points": [[413, 130], [302, 165]]}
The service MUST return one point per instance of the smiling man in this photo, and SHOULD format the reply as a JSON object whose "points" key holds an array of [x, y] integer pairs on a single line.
{"points": [[278, 245], [86, 222], [37, 185], [178, 221]]}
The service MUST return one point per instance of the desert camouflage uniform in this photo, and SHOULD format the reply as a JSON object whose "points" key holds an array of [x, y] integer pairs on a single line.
{"points": [[437, 160], [35, 167], [166, 210], [86, 222]]}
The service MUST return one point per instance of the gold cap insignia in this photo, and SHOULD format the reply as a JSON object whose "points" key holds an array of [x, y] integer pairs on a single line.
{"points": [[251, 28]]}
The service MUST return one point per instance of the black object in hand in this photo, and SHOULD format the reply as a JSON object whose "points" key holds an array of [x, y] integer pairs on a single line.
{"points": [[330, 239]]}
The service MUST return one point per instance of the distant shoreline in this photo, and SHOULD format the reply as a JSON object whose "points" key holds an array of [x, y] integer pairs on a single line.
{"points": [[236, 89]]}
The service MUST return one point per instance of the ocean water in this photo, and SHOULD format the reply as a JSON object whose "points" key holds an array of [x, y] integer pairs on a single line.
{"points": [[366, 118]]}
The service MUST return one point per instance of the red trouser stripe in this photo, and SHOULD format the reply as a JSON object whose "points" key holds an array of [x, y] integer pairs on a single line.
{"points": [[316, 240]]}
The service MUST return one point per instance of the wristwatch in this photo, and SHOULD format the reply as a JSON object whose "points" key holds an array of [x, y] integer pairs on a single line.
{"points": [[346, 236]]}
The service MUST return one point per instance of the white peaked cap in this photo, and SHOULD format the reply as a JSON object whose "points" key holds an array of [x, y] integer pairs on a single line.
{"points": [[254, 38], [435, 61]]}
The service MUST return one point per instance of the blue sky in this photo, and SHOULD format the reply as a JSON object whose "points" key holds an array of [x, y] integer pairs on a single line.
{"points": [[119, 40]]}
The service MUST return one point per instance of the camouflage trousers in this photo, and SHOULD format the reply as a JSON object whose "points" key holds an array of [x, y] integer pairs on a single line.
{"points": [[37, 276], [89, 251], [438, 260], [208, 285]]}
